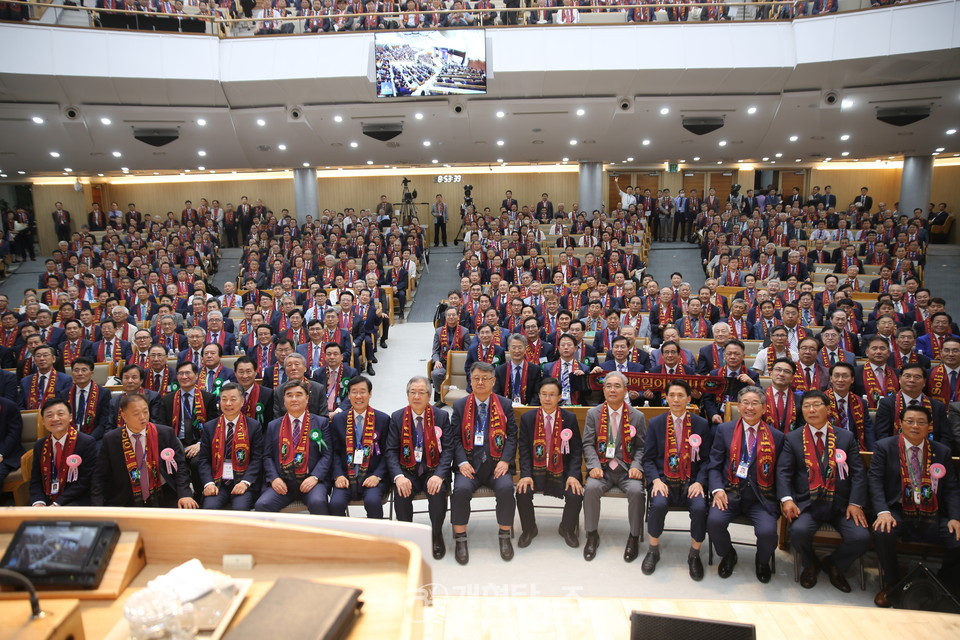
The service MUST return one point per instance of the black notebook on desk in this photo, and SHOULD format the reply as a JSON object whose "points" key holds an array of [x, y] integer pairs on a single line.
{"points": [[299, 609]]}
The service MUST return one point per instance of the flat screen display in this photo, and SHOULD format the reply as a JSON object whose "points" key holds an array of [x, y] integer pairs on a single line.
{"points": [[53, 548], [431, 63]]}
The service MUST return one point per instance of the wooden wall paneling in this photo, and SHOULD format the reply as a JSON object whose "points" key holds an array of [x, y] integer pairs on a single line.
{"points": [[884, 184], [647, 180], [791, 179], [159, 198], [694, 180], [946, 188], [44, 198], [721, 182]]}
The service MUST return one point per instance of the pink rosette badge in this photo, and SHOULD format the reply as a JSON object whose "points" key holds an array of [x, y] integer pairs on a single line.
{"points": [[633, 431], [841, 457], [937, 471], [565, 436], [695, 442], [439, 433], [167, 455], [73, 467]]}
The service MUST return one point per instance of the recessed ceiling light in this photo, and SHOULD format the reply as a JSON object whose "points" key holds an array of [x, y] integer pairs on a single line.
{"points": [[778, 155], [369, 161], [282, 147], [580, 112], [845, 154], [766, 158], [794, 138], [797, 160], [573, 143], [434, 161], [117, 154], [354, 145], [446, 165], [201, 122], [23, 173], [188, 170], [55, 154], [201, 168], [261, 122], [306, 164], [156, 173], [696, 158], [418, 116], [846, 103], [628, 159], [501, 114], [752, 110], [565, 160], [719, 161], [101, 175], [845, 137], [950, 132], [646, 142], [233, 172], [500, 143], [940, 149], [37, 119], [613, 162], [426, 143], [124, 169], [935, 153], [3, 175], [338, 118], [664, 111], [827, 159], [68, 169], [202, 153], [722, 143], [106, 121], [890, 157]]}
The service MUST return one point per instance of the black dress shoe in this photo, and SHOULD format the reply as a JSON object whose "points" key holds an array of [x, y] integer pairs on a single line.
{"points": [[590, 547], [725, 569], [370, 371], [570, 537], [649, 564], [808, 577], [383, 343], [837, 578], [506, 546], [439, 547], [631, 551], [373, 360], [696, 567], [883, 598], [461, 553], [763, 572], [527, 537]]}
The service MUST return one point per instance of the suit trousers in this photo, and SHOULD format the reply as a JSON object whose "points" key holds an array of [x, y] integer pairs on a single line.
{"points": [[225, 500], [436, 504], [855, 539], [5, 469], [315, 499], [680, 224], [437, 376], [463, 488], [659, 505], [764, 526], [439, 228], [572, 504], [933, 533], [666, 224], [372, 499], [596, 487]]}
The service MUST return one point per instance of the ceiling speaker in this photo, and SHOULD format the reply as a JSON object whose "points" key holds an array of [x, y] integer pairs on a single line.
{"points": [[156, 137], [702, 126], [903, 116], [383, 131]]}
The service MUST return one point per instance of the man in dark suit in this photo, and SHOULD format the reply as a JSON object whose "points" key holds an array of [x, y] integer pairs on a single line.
{"points": [[54, 481], [110, 348], [484, 455], [295, 370], [904, 509], [815, 486], [518, 379], [864, 201], [11, 430], [213, 374], [186, 410], [257, 399], [231, 455], [296, 456], [742, 482], [46, 383], [738, 376], [711, 356], [132, 470], [508, 201], [88, 401], [913, 380], [359, 468], [131, 379], [9, 388], [551, 451], [684, 440], [334, 376], [420, 446], [74, 345], [484, 350], [61, 223]]}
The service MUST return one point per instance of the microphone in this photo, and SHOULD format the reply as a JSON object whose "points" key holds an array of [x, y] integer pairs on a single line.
{"points": [[7, 575]]}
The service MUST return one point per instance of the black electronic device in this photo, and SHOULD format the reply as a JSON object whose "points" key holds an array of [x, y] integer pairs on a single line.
{"points": [[654, 626], [62, 555]]}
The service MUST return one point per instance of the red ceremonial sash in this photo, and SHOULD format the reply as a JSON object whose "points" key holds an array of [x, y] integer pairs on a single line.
{"points": [[47, 464], [496, 426], [431, 446], [241, 447], [677, 459], [822, 485]]}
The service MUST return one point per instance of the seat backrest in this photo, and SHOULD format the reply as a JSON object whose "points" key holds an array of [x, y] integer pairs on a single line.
{"points": [[228, 361], [32, 428], [101, 371], [456, 361]]}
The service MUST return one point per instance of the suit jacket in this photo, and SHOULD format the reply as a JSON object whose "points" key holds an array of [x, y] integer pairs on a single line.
{"points": [[447, 445], [86, 349], [885, 481], [251, 474], [883, 422], [55, 335], [499, 357], [317, 403], [712, 405], [9, 388], [318, 459], [61, 388], [191, 435], [320, 376], [111, 481], [792, 477], [590, 453], [632, 367], [460, 453], [125, 350], [572, 460], [655, 444], [923, 344], [534, 375], [75, 493], [178, 340], [718, 468], [376, 461], [11, 430], [100, 423]]}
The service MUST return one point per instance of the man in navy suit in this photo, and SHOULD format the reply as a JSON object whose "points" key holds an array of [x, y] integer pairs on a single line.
{"points": [[517, 378], [929, 343], [738, 376], [9, 388], [743, 482], [217, 333], [54, 484], [231, 455], [358, 440], [334, 377], [46, 383], [620, 361], [905, 510], [89, 402], [11, 429], [913, 381], [711, 356], [74, 345], [296, 456], [816, 486], [484, 350], [675, 454], [212, 372]]}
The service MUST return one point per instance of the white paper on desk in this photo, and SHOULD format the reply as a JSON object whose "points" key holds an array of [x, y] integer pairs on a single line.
{"points": [[190, 580]]}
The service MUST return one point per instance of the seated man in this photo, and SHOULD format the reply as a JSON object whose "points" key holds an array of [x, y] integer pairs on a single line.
{"points": [[231, 455], [551, 452], [567, 370], [212, 373], [742, 480], [450, 337], [484, 455], [296, 455], [186, 410], [11, 429], [359, 466], [334, 376], [64, 460], [612, 444], [517, 378], [133, 469], [817, 486], [904, 467], [47, 383], [676, 473], [89, 402], [738, 377], [420, 447]]}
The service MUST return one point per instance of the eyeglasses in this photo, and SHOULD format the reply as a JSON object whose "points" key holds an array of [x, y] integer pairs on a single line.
{"points": [[483, 379]]}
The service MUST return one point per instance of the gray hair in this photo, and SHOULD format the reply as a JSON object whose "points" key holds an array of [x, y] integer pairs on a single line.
{"points": [[517, 337], [482, 366], [752, 389], [616, 374], [425, 380]]}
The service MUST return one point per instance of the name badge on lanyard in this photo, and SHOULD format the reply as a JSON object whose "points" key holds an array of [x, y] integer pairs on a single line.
{"points": [[418, 454], [55, 489], [227, 470], [358, 456], [611, 451], [742, 470], [478, 438]]}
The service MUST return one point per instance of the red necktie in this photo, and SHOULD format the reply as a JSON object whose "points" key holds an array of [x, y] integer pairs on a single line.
{"points": [[819, 446], [57, 454]]}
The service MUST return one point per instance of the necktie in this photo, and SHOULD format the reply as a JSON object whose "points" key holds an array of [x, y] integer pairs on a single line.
{"points": [[914, 403], [809, 378], [331, 392], [880, 379], [157, 381], [819, 446], [517, 382], [81, 408], [482, 425], [953, 384], [296, 431], [211, 378], [316, 355], [548, 428], [781, 408], [228, 445], [141, 466], [419, 438], [678, 430], [184, 415], [58, 454], [42, 386], [915, 474], [833, 358], [109, 351], [751, 439], [614, 430], [196, 357], [565, 380], [216, 337], [842, 410]]}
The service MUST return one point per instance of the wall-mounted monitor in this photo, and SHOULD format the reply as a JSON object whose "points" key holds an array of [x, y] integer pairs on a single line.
{"points": [[431, 63]]}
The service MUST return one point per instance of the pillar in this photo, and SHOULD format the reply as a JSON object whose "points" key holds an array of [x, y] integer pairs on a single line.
{"points": [[591, 187], [915, 183], [305, 193]]}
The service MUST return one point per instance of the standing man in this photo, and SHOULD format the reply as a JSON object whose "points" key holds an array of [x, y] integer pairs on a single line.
{"points": [[674, 463], [484, 454], [64, 460], [551, 451], [61, 223], [612, 445], [420, 445], [440, 218]]}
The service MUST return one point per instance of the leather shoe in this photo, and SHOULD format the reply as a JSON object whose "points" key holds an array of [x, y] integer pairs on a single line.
{"points": [[808, 577], [370, 371], [506, 546], [883, 598], [570, 537], [631, 551], [526, 538], [461, 553], [590, 546], [439, 547], [837, 578], [383, 343], [695, 565], [725, 568], [649, 564], [763, 572]]}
